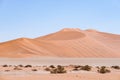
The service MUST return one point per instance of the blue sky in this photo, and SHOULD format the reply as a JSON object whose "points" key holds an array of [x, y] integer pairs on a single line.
{"points": [[33, 18]]}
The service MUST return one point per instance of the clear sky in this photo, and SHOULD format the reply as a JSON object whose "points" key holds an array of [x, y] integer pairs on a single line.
{"points": [[33, 18]]}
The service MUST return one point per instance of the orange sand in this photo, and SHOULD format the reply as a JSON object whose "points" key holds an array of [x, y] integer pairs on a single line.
{"points": [[80, 76], [65, 43]]}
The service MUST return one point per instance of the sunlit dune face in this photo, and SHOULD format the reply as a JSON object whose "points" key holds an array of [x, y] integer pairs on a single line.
{"points": [[66, 35], [69, 42]]}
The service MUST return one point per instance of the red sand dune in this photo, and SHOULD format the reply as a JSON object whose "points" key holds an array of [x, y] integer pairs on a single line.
{"points": [[65, 43]]}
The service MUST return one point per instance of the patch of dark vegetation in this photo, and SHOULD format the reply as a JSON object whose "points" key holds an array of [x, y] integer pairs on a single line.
{"points": [[86, 68], [20, 65], [5, 65], [103, 70], [34, 70], [115, 67], [52, 66], [28, 66], [58, 70]]}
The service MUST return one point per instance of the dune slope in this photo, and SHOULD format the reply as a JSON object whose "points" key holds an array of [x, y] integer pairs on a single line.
{"points": [[65, 43]]}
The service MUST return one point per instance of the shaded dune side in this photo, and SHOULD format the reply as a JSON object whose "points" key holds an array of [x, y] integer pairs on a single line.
{"points": [[13, 48], [24, 47]]}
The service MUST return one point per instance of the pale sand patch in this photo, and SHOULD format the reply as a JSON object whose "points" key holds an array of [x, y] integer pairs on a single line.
{"points": [[61, 61], [80, 76]]}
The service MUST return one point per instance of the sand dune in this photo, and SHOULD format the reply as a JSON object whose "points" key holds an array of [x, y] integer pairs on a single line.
{"points": [[68, 42]]}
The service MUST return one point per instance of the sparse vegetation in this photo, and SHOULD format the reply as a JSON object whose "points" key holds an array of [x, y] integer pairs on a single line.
{"points": [[86, 68], [5, 65], [52, 66], [34, 70], [20, 65], [115, 67], [27, 66], [60, 69], [103, 70]]}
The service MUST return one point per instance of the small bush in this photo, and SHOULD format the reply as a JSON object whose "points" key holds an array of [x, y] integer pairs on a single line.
{"points": [[86, 68], [20, 65], [34, 70], [103, 70], [28, 66], [5, 65], [116, 67], [52, 66], [59, 69], [77, 66], [53, 71]]}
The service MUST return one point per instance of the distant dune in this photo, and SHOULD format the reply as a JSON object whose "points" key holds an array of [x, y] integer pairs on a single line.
{"points": [[68, 42]]}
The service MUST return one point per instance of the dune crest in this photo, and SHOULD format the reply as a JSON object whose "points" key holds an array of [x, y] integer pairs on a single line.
{"points": [[68, 42], [91, 30], [71, 29]]}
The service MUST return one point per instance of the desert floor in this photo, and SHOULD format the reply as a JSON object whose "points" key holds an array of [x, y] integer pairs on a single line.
{"points": [[8, 73], [80, 76]]}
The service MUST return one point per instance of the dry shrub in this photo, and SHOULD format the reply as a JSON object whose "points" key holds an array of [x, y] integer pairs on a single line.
{"points": [[28, 66], [5, 65], [115, 67], [34, 70], [86, 68], [59, 69], [103, 70]]}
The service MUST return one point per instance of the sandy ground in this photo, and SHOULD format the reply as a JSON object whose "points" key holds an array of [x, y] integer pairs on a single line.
{"points": [[61, 61], [27, 74], [80, 76]]}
